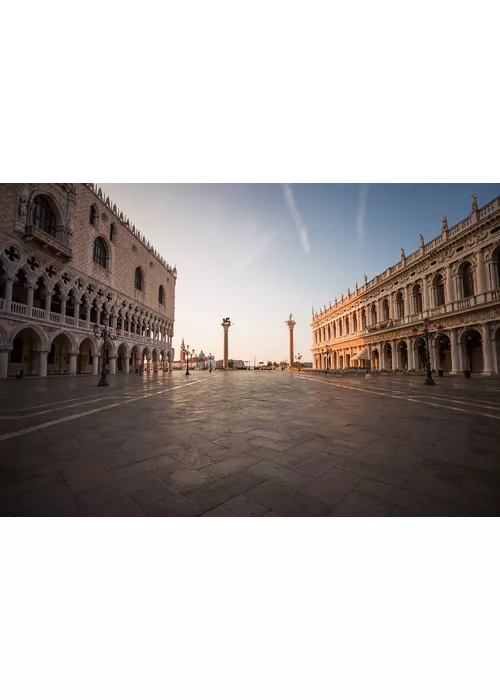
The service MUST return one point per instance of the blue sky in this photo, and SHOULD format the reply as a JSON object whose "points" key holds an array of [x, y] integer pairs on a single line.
{"points": [[257, 253]]}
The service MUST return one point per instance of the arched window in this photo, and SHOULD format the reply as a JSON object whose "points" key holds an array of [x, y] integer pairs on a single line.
{"points": [[374, 313], [112, 233], [100, 252], [161, 295], [417, 299], [385, 309], [495, 268], [439, 295], [93, 215], [400, 305], [347, 325], [340, 327], [467, 280], [43, 216], [355, 323], [363, 319], [139, 281]]}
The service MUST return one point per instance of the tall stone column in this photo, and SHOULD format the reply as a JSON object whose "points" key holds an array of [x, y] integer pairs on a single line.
{"points": [[87, 315], [487, 350], [434, 355], [8, 293], [394, 346], [226, 326], [63, 309], [455, 357], [31, 291], [95, 364], [48, 302], [72, 362], [77, 313], [148, 364], [450, 292], [411, 354], [425, 294], [481, 273], [407, 302], [291, 325], [112, 364], [42, 367], [381, 356], [4, 361]]}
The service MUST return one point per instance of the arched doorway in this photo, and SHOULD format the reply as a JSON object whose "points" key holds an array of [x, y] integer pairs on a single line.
{"points": [[443, 348], [145, 360], [472, 351], [402, 350], [84, 359], [25, 353], [375, 359], [58, 357], [154, 360], [134, 358], [388, 356], [121, 365], [420, 353]]}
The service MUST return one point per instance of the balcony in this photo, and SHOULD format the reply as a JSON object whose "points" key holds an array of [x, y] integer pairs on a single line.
{"points": [[59, 245]]}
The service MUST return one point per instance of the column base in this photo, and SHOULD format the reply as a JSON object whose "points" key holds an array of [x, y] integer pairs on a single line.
{"points": [[488, 373]]}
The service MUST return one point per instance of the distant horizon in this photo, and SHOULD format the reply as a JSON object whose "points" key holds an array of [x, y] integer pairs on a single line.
{"points": [[258, 252]]}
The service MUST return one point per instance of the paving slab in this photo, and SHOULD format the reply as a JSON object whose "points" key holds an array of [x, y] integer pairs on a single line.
{"points": [[249, 444]]}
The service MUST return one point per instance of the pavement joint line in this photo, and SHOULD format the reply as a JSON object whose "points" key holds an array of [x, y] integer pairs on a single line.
{"points": [[59, 408], [65, 419], [403, 398], [43, 405]]}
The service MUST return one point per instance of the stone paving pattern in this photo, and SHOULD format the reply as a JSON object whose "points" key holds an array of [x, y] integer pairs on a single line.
{"points": [[250, 444]]}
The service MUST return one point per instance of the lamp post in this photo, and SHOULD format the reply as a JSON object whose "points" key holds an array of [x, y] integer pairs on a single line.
{"points": [[106, 334], [188, 354], [298, 357], [426, 336]]}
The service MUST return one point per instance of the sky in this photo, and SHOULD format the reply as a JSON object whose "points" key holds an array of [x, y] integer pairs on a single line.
{"points": [[258, 252]]}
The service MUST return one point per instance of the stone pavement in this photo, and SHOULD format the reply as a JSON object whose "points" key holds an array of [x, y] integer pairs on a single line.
{"points": [[249, 444]]}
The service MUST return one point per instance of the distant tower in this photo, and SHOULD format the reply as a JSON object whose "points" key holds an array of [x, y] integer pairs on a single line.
{"points": [[226, 324], [291, 325], [183, 351]]}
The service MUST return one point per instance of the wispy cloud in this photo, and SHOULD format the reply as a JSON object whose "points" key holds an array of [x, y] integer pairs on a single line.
{"points": [[360, 217], [294, 211]]}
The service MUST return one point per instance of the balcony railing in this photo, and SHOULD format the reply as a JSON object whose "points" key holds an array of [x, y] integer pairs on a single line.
{"points": [[59, 244], [19, 309]]}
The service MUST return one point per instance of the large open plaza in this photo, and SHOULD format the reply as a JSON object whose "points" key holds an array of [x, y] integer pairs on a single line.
{"points": [[249, 443]]}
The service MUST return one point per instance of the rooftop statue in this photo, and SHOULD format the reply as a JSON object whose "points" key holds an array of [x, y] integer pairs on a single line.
{"points": [[444, 225], [402, 252], [474, 202], [422, 240]]}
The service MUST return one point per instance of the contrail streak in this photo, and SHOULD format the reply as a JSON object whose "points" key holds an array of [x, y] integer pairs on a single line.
{"points": [[294, 211]]}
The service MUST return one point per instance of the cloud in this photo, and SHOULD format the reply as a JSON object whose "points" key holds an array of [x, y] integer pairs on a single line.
{"points": [[360, 216], [294, 211]]}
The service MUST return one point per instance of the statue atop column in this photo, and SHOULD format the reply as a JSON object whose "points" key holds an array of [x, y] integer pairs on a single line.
{"points": [[422, 242], [474, 202], [366, 278], [444, 224], [402, 254], [290, 318]]}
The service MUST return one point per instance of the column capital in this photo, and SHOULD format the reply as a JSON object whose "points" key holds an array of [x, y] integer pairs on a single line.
{"points": [[6, 348]]}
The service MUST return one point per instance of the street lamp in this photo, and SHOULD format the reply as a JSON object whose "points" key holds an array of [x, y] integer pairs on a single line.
{"points": [[428, 374], [188, 353], [106, 334]]}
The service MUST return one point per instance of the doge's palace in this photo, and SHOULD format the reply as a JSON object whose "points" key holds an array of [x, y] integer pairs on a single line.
{"points": [[451, 282], [71, 260]]}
